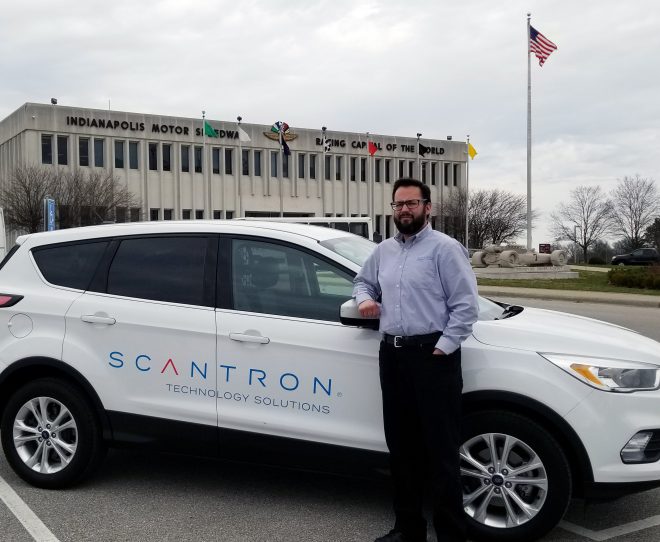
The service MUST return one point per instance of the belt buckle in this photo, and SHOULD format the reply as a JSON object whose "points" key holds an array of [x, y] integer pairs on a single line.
{"points": [[398, 344]]}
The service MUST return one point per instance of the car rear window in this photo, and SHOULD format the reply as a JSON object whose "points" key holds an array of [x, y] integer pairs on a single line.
{"points": [[70, 265]]}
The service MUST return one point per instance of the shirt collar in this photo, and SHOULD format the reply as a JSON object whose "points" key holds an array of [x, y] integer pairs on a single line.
{"points": [[424, 232]]}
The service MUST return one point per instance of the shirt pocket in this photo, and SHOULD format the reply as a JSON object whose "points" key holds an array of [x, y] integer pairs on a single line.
{"points": [[423, 275]]}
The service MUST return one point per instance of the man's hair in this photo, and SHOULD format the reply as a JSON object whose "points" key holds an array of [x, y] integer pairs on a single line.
{"points": [[409, 181]]}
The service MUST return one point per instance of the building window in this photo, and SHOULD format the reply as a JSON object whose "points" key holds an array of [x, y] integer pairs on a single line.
{"points": [[327, 167], [301, 166], [257, 163], [424, 166], [120, 214], [402, 165], [245, 161], [215, 157], [363, 169], [457, 173], [135, 214], [285, 165], [154, 214], [153, 156], [46, 149], [119, 153], [199, 214], [229, 215], [338, 166], [411, 170], [185, 214], [217, 215], [434, 172], [273, 164], [388, 171], [312, 166], [133, 148], [83, 151], [229, 162], [98, 152], [185, 158], [446, 174], [63, 150], [377, 172], [352, 169], [167, 214], [167, 157], [198, 159]]}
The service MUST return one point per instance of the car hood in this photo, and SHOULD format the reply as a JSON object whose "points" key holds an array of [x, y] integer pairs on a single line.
{"points": [[543, 330]]}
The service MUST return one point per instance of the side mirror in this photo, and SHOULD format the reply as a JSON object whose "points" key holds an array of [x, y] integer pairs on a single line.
{"points": [[350, 316]]}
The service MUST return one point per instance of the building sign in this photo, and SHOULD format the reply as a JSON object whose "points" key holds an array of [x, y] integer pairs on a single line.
{"points": [[49, 214]]}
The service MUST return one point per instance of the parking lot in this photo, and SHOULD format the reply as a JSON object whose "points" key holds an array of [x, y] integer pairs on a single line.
{"points": [[142, 496]]}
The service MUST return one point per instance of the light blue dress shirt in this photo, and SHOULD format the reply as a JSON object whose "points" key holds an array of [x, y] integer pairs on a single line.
{"points": [[424, 284]]}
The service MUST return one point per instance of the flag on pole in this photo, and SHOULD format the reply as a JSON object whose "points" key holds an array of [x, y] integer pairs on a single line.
{"points": [[281, 128], [541, 46], [243, 136], [471, 151], [209, 130], [372, 148], [423, 149]]}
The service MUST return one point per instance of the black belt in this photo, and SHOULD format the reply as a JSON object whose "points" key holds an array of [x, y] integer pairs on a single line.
{"points": [[412, 340]]}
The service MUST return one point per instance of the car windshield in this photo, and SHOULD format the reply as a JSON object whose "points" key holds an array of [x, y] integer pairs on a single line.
{"points": [[354, 248]]}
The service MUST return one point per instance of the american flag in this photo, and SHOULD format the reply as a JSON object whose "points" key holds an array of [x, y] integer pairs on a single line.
{"points": [[541, 46]]}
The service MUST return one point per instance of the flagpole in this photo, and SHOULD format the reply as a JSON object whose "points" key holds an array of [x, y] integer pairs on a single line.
{"points": [[239, 196], [281, 175], [322, 179], [467, 191], [419, 165], [529, 139], [193, 212]]}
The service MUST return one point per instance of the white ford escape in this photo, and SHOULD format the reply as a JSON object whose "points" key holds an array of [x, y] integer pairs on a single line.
{"points": [[199, 336]]}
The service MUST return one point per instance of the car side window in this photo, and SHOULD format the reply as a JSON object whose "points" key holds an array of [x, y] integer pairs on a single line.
{"points": [[276, 279], [160, 268], [637, 252], [70, 265]]}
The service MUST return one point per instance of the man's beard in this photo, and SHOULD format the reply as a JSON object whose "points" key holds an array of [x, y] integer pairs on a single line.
{"points": [[412, 227]]}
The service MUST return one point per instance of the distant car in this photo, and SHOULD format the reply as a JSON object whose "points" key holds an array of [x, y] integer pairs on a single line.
{"points": [[641, 256], [235, 338]]}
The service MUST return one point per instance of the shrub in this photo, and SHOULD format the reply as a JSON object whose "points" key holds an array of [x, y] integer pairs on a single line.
{"points": [[635, 277], [595, 260]]}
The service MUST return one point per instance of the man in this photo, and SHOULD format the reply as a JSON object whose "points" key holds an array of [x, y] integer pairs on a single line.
{"points": [[428, 304]]}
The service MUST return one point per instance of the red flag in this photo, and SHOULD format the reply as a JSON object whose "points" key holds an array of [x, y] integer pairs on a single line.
{"points": [[541, 46], [372, 148]]}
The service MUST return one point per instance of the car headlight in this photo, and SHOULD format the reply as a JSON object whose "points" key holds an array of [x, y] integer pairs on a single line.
{"points": [[609, 374]]}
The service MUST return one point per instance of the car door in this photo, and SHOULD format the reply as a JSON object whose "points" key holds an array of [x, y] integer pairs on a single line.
{"points": [[286, 366], [144, 333]]}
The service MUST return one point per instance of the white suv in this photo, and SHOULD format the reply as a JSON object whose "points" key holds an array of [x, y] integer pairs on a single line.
{"points": [[203, 336]]}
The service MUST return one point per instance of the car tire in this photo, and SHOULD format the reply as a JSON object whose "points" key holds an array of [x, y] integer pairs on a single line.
{"points": [[499, 503], [50, 434]]}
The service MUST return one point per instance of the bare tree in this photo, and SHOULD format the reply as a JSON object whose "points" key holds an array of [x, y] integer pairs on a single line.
{"points": [[585, 219], [22, 197], [495, 216], [636, 204], [82, 198]]}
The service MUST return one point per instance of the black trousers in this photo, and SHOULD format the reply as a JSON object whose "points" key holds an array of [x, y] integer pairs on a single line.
{"points": [[422, 413]]}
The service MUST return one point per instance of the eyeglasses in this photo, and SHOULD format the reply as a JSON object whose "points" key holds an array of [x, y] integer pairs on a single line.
{"points": [[410, 203]]}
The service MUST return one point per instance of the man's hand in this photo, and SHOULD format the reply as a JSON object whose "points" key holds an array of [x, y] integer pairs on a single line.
{"points": [[369, 309], [438, 352]]}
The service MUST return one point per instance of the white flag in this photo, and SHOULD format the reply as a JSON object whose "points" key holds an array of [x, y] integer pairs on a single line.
{"points": [[243, 136]]}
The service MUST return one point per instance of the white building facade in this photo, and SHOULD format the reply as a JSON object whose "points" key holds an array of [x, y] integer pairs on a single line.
{"points": [[178, 172]]}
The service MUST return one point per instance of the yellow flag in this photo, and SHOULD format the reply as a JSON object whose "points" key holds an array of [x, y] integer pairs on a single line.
{"points": [[471, 151]]}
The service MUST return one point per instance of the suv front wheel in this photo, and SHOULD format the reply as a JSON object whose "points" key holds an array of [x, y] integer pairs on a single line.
{"points": [[516, 479], [50, 435]]}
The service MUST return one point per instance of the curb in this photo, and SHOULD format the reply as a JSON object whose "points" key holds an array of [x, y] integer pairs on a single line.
{"points": [[612, 298]]}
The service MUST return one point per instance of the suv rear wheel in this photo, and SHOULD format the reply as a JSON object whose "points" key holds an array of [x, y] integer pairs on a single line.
{"points": [[516, 479], [50, 435]]}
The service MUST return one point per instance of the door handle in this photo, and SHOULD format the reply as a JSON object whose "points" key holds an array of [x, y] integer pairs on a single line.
{"points": [[243, 337], [96, 319]]}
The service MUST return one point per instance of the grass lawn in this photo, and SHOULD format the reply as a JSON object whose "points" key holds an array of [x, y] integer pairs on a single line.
{"points": [[593, 281]]}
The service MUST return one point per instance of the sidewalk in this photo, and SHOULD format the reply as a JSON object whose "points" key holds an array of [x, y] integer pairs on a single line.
{"points": [[637, 300]]}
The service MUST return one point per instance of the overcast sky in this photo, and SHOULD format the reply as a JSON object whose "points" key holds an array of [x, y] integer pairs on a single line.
{"points": [[389, 67]]}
